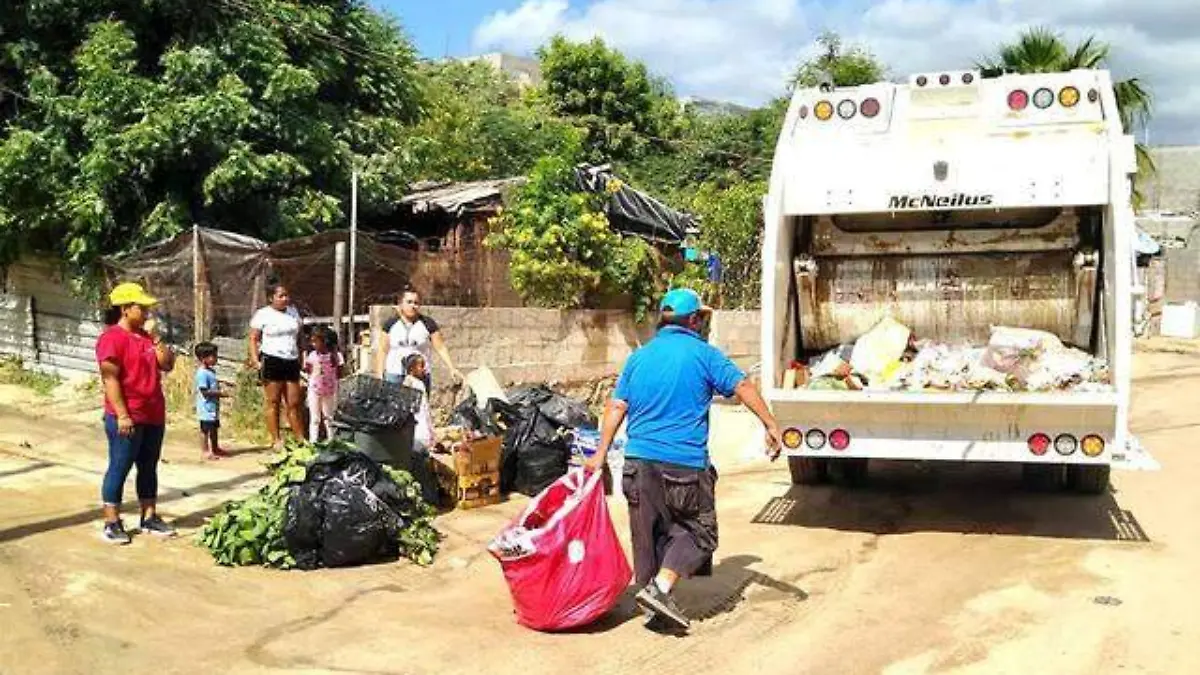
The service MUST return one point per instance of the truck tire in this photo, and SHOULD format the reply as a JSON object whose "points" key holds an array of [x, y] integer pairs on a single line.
{"points": [[850, 472], [1043, 477], [1088, 480], [808, 470]]}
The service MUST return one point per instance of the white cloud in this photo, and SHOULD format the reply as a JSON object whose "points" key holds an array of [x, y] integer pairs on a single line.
{"points": [[743, 50]]}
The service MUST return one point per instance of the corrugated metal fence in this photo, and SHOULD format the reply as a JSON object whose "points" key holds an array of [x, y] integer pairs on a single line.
{"points": [[44, 324]]}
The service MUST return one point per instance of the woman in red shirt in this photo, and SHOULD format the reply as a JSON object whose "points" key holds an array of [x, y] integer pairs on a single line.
{"points": [[132, 358]]}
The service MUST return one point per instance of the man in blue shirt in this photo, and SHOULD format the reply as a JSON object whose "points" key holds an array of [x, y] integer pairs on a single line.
{"points": [[665, 390]]}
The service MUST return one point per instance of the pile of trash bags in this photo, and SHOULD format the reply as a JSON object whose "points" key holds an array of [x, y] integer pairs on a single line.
{"points": [[890, 358], [348, 511], [537, 425]]}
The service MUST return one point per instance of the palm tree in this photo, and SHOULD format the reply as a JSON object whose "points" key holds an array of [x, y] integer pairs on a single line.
{"points": [[1041, 50]]}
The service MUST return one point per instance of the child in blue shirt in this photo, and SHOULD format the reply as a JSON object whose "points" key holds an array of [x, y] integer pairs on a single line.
{"points": [[208, 401]]}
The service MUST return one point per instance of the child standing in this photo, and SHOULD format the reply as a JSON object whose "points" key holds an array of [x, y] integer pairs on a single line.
{"points": [[415, 373], [208, 401], [324, 366]]}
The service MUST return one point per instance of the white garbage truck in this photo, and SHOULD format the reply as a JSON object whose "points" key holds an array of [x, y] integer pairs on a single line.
{"points": [[952, 205]]}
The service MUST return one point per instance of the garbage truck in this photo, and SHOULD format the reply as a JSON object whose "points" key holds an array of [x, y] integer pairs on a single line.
{"points": [[952, 205]]}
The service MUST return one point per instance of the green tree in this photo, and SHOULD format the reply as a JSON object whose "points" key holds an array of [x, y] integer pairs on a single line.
{"points": [[731, 225], [128, 122], [479, 125], [564, 253], [844, 66], [1041, 50], [623, 108]]}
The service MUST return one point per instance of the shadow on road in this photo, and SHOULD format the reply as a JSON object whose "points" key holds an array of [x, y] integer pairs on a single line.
{"points": [[903, 497], [164, 497]]}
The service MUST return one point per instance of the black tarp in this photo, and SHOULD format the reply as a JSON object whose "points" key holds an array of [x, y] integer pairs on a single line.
{"points": [[635, 213]]}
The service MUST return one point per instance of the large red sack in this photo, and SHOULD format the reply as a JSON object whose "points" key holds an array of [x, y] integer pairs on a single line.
{"points": [[561, 557]]}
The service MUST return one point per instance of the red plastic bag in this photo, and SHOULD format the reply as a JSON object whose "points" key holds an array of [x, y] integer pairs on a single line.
{"points": [[561, 557]]}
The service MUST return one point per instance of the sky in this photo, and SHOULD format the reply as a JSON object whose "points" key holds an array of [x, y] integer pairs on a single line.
{"points": [[742, 50]]}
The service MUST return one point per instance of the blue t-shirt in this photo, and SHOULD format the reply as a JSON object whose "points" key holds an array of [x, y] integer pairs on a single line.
{"points": [[207, 409], [669, 385]]}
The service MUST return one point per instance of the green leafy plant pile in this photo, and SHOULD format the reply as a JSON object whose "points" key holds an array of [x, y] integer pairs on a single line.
{"points": [[250, 531]]}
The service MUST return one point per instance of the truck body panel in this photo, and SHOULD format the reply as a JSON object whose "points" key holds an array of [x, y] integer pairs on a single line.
{"points": [[952, 211]]}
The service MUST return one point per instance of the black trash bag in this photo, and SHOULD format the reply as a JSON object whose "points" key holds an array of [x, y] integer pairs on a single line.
{"points": [[563, 410], [369, 404], [346, 512], [535, 452]]}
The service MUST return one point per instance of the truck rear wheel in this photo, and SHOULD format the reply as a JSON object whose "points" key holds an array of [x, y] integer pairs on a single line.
{"points": [[1088, 480], [851, 471], [808, 470], [1043, 477]]}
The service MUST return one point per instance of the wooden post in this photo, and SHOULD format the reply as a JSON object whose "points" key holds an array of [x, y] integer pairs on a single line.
{"points": [[339, 289], [199, 281]]}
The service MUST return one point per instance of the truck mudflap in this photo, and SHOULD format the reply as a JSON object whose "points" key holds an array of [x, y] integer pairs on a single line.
{"points": [[1135, 457]]}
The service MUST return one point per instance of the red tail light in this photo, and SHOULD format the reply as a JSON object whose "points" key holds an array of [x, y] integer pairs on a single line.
{"points": [[839, 439], [944, 80], [1018, 100], [1039, 444], [869, 108]]}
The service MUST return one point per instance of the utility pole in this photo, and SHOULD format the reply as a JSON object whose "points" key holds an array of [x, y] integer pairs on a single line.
{"points": [[339, 287], [353, 261]]}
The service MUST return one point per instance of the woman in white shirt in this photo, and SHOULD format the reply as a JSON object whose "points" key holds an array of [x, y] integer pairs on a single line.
{"points": [[275, 354], [413, 333]]}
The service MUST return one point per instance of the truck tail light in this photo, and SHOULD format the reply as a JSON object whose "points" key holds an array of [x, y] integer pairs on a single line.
{"points": [[1043, 98], [839, 439], [1093, 96], [1092, 446], [1039, 444], [846, 109], [1018, 100], [823, 110], [815, 439], [944, 79], [1068, 97], [869, 108], [803, 112], [1065, 444], [792, 438]]}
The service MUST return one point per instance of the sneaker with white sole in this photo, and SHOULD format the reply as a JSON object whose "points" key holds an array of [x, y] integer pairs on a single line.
{"points": [[653, 599], [114, 533], [157, 526]]}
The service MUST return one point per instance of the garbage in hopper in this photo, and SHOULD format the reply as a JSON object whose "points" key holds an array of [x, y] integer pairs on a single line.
{"points": [[889, 358]]}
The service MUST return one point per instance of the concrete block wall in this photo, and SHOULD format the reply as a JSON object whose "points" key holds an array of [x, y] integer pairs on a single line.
{"points": [[540, 345]]}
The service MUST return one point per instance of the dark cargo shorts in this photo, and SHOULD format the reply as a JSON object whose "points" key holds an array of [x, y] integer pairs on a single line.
{"points": [[672, 518]]}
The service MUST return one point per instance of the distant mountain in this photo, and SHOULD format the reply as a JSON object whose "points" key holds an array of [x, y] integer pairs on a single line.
{"points": [[709, 107]]}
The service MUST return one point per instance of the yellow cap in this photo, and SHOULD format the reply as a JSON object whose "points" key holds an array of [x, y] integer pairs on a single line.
{"points": [[130, 293]]}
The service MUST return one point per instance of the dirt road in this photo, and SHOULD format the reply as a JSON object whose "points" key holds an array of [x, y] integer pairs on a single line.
{"points": [[942, 570]]}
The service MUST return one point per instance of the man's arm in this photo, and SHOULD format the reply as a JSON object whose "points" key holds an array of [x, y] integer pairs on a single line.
{"points": [[614, 414], [750, 397], [165, 355]]}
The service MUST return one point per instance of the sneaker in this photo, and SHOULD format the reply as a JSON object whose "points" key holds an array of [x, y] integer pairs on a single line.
{"points": [[114, 533], [157, 527], [652, 599]]}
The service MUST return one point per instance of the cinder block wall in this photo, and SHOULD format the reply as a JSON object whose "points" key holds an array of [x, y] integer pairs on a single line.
{"points": [[541, 345]]}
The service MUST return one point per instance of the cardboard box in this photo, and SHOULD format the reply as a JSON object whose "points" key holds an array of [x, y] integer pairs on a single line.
{"points": [[477, 457], [467, 490]]}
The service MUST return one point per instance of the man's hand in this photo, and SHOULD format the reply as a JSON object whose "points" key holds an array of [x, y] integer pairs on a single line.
{"points": [[125, 425], [457, 376], [774, 441], [595, 462]]}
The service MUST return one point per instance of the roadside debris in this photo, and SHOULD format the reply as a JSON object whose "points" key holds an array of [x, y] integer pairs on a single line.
{"points": [[890, 358]]}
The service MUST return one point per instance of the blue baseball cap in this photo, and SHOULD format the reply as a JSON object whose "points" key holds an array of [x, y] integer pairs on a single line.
{"points": [[682, 302]]}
